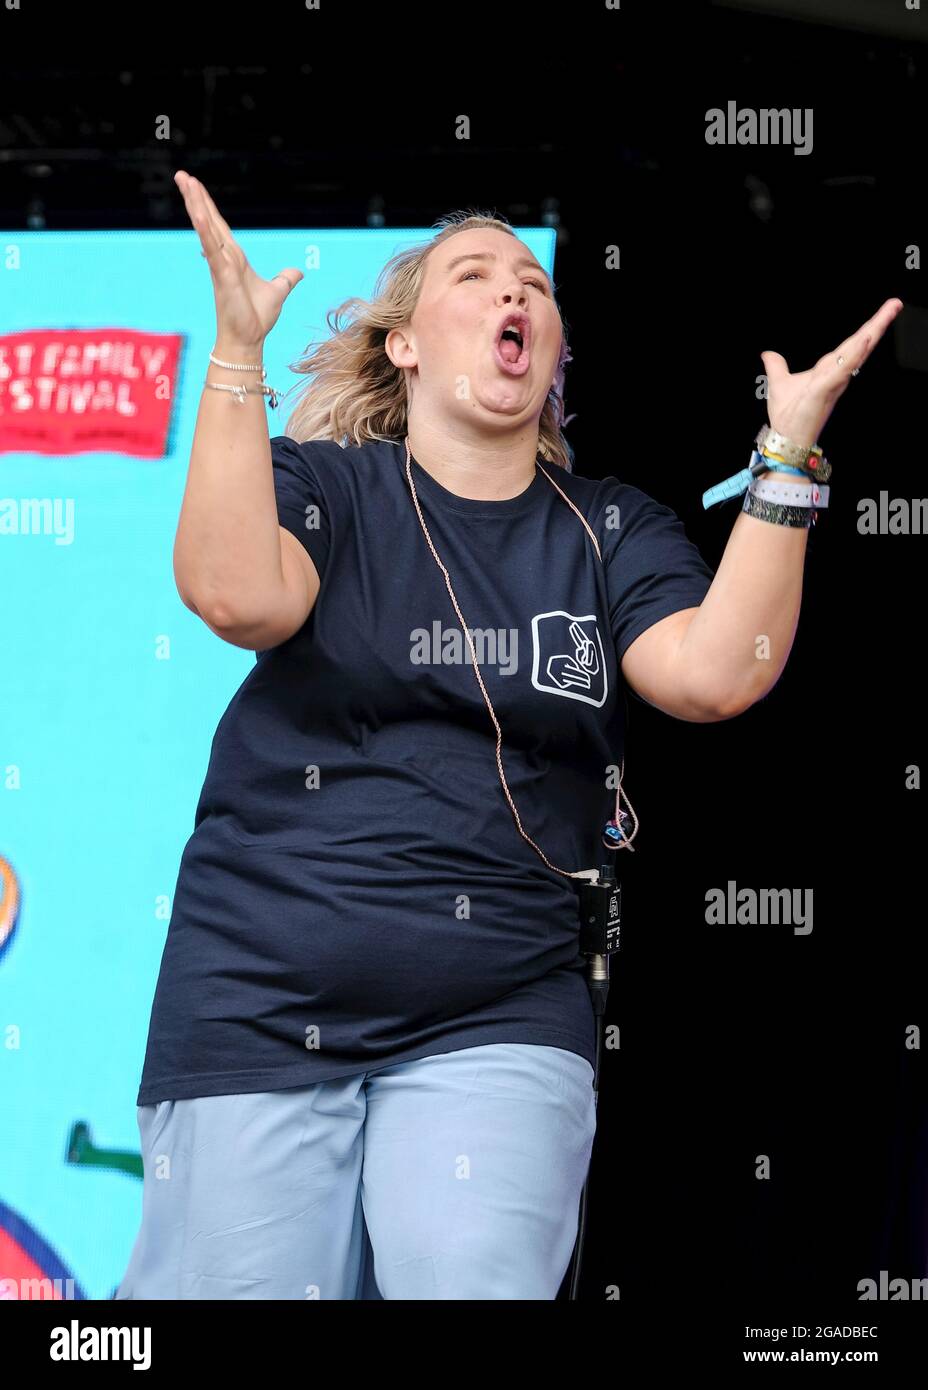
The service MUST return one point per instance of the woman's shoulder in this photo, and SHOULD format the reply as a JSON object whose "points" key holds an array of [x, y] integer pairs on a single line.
{"points": [[592, 495], [623, 514], [609, 491], [328, 461]]}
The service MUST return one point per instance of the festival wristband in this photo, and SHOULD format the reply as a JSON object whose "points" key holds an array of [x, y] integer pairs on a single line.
{"points": [[811, 494]]}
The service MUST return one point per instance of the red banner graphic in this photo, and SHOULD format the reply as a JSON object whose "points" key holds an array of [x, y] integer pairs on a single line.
{"points": [[88, 390]]}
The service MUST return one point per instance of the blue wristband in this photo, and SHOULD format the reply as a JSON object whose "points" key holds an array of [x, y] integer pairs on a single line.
{"points": [[738, 483], [786, 468]]}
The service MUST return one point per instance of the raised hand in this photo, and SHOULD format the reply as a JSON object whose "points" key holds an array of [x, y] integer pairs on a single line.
{"points": [[247, 307], [799, 403]]}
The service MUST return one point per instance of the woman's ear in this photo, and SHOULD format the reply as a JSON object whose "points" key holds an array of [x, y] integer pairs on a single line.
{"points": [[399, 348]]}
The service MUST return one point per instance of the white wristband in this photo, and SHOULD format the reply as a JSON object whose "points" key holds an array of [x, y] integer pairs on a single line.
{"points": [[791, 494]]}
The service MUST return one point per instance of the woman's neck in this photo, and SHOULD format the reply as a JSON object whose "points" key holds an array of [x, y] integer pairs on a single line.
{"points": [[495, 473]]}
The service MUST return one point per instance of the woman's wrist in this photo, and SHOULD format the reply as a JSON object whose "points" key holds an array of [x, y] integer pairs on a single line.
{"points": [[232, 351]]}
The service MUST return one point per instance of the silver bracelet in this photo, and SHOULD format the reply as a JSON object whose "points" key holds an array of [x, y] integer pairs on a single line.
{"points": [[240, 392]]}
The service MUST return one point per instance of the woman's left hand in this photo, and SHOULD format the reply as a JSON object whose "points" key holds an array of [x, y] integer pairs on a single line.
{"points": [[799, 403]]}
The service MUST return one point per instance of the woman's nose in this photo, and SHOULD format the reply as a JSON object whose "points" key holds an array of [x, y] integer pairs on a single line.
{"points": [[516, 291]]}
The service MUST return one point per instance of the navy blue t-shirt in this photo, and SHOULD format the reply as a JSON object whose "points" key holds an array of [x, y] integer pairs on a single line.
{"points": [[355, 892]]}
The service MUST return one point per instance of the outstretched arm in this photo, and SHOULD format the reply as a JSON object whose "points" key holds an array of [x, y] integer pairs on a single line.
{"points": [[715, 661]]}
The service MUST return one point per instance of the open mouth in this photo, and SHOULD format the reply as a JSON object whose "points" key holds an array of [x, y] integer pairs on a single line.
{"points": [[510, 335], [512, 345]]}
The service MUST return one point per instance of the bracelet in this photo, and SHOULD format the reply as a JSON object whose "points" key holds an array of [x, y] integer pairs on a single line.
{"points": [[808, 458], [240, 392], [240, 366], [769, 440], [787, 457], [821, 473], [736, 484], [792, 494], [777, 512], [781, 468]]}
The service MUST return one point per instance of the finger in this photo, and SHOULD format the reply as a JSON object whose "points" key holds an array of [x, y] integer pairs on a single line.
{"points": [[835, 370], [224, 240], [290, 276], [874, 328], [220, 247], [199, 215], [877, 326], [185, 188], [216, 215], [775, 365]]}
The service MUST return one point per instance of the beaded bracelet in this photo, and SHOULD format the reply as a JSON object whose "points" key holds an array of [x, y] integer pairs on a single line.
{"points": [[240, 392]]}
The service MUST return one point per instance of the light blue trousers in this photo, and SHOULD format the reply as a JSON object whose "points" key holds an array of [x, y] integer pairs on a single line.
{"points": [[455, 1177]]}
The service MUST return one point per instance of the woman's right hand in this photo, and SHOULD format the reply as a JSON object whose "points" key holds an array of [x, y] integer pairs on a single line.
{"points": [[247, 307]]}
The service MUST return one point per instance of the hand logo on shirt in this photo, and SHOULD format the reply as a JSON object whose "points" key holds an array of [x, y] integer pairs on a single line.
{"points": [[568, 658], [578, 668]]}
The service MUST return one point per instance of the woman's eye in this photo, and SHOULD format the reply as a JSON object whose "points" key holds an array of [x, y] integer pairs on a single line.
{"points": [[538, 285]]}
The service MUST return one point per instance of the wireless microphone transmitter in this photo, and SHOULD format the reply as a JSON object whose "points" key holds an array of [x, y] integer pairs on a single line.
{"points": [[600, 914]]}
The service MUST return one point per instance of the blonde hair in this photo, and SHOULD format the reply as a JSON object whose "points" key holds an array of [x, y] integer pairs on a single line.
{"points": [[357, 394]]}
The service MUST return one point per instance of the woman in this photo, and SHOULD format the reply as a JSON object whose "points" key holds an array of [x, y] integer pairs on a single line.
{"points": [[370, 1060]]}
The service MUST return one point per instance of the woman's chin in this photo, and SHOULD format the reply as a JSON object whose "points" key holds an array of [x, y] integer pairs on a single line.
{"points": [[504, 396]]}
